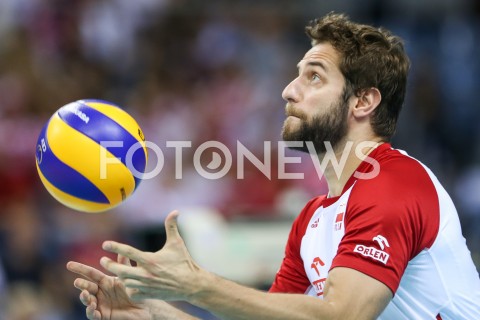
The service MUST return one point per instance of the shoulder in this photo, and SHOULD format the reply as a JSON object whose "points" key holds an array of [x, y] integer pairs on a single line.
{"points": [[401, 199], [399, 178]]}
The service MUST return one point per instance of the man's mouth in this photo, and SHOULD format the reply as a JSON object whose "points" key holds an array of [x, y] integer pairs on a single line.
{"points": [[291, 112]]}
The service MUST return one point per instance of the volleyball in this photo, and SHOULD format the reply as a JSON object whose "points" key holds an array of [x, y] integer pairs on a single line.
{"points": [[91, 155]]}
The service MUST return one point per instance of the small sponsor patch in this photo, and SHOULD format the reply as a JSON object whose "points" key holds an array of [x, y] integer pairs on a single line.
{"points": [[372, 252]]}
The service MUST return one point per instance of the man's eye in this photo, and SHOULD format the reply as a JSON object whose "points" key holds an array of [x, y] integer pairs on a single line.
{"points": [[315, 77]]}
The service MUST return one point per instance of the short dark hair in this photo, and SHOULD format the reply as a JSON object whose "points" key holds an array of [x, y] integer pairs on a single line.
{"points": [[369, 57]]}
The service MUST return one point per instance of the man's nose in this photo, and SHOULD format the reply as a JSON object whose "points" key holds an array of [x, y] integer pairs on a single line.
{"points": [[291, 93]]}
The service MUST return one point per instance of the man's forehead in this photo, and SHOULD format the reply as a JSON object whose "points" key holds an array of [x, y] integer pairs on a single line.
{"points": [[322, 52]]}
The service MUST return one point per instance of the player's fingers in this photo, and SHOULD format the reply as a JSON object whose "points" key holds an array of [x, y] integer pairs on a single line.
{"points": [[121, 270], [92, 313], [83, 284], [85, 271], [124, 250], [87, 299], [123, 260]]}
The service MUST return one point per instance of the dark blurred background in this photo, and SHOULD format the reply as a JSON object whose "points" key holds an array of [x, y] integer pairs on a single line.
{"points": [[198, 71]]}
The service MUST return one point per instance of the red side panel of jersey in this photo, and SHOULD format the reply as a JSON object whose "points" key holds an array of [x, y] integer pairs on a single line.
{"points": [[291, 277], [389, 219]]}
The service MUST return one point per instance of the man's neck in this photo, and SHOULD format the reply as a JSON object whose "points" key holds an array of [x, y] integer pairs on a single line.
{"points": [[348, 155]]}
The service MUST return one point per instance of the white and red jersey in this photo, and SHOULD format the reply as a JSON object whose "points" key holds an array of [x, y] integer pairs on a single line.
{"points": [[401, 228]]}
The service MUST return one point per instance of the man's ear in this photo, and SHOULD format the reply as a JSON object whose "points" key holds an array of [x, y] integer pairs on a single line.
{"points": [[367, 102]]}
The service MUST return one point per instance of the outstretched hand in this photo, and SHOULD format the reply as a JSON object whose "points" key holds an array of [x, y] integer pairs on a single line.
{"points": [[105, 297], [168, 274]]}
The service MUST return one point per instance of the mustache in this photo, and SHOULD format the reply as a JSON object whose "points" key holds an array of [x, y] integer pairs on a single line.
{"points": [[290, 110]]}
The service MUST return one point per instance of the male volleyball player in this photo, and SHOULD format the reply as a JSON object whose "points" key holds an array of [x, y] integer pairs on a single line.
{"points": [[384, 243]]}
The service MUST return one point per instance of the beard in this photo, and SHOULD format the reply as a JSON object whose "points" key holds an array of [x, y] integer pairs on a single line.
{"points": [[330, 127]]}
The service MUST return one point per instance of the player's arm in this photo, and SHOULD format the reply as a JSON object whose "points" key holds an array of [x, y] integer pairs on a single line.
{"points": [[349, 294], [171, 274], [161, 310]]}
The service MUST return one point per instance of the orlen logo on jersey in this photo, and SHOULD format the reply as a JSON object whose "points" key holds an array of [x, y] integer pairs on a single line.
{"points": [[373, 252]]}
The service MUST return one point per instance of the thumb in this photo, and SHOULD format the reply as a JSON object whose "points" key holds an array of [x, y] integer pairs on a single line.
{"points": [[171, 226]]}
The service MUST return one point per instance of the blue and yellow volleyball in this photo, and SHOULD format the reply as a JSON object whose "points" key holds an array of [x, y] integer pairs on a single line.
{"points": [[91, 155]]}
